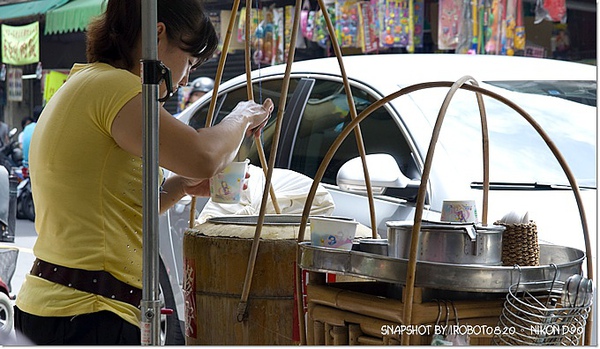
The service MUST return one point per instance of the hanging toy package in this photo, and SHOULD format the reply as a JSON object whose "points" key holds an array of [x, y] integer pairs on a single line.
{"points": [[369, 39], [465, 31], [278, 46], [347, 22], [520, 28], [510, 27], [268, 37], [254, 19], [310, 26], [551, 10], [304, 19], [321, 33], [287, 29], [449, 22], [493, 42], [418, 22], [394, 15]]}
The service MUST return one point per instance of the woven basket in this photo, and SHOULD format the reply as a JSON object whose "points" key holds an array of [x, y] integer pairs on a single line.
{"points": [[520, 244]]}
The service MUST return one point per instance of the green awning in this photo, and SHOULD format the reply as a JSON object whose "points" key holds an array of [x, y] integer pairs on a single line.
{"points": [[73, 16], [29, 8]]}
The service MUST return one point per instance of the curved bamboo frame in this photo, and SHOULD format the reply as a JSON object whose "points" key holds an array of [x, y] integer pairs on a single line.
{"points": [[412, 259], [425, 177]]}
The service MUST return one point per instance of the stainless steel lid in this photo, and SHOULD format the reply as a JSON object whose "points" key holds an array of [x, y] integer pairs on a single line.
{"points": [[438, 225]]}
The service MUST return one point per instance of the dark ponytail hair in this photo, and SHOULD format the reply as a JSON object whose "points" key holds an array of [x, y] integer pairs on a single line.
{"points": [[112, 35]]}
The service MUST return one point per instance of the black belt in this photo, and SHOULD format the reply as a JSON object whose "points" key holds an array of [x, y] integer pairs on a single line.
{"points": [[98, 282]]}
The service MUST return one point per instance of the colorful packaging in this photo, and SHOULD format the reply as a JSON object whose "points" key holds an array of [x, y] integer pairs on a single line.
{"points": [[347, 23], [369, 38], [394, 23], [448, 23], [255, 18]]}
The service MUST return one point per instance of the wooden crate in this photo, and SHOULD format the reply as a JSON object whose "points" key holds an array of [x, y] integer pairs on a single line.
{"points": [[339, 316]]}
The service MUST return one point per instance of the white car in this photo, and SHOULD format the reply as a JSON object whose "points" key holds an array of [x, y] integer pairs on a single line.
{"points": [[524, 174]]}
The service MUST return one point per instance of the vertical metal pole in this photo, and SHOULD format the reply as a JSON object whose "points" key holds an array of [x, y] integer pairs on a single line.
{"points": [[150, 307]]}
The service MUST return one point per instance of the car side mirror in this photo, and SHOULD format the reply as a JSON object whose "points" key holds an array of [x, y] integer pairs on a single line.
{"points": [[383, 170]]}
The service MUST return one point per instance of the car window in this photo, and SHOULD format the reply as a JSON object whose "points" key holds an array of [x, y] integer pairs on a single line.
{"points": [[324, 117], [227, 102]]}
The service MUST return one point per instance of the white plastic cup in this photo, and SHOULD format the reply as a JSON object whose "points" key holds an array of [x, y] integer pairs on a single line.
{"points": [[462, 211], [226, 186], [332, 232]]}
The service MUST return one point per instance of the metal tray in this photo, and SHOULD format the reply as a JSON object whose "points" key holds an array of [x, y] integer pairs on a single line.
{"points": [[442, 276], [269, 219]]}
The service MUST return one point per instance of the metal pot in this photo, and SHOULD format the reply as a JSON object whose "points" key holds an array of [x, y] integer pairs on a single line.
{"points": [[445, 242], [375, 246]]}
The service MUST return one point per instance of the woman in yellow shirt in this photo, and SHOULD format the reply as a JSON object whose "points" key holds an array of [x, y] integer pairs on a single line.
{"points": [[86, 172]]}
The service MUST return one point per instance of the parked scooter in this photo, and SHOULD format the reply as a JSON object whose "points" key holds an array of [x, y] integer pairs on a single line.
{"points": [[11, 157], [11, 154], [25, 208]]}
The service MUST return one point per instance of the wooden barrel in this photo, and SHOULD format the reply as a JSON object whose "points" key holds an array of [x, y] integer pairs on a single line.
{"points": [[216, 256]]}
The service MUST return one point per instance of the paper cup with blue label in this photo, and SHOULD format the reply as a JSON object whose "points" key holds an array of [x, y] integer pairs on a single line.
{"points": [[460, 211], [226, 187], [332, 232]]}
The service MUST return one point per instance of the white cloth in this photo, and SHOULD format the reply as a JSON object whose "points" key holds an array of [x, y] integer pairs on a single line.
{"points": [[291, 189]]}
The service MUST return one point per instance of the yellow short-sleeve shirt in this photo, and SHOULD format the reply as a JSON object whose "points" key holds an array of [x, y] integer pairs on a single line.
{"points": [[87, 192]]}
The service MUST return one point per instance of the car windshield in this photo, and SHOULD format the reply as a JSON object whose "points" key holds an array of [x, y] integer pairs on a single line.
{"points": [[518, 154], [578, 91]]}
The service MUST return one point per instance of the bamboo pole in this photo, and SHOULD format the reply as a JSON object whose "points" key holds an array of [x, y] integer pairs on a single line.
{"points": [[242, 306], [359, 143], [263, 161], [218, 77], [247, 62], [357, 133]]}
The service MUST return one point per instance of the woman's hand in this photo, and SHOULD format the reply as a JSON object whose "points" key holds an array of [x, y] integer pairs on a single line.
{"points": [[175, 187], [200, 187], [195, 187], [257, 114]]}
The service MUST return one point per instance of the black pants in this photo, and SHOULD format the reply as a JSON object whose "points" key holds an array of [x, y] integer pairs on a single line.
{"points": [[103, 327]]}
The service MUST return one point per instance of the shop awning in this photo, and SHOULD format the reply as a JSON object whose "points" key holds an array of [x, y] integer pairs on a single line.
{"points": [[73, 16], [29, 8]]}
